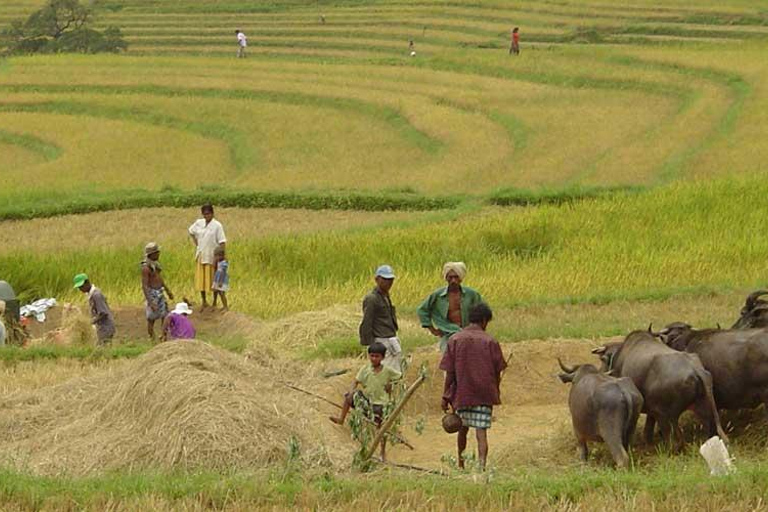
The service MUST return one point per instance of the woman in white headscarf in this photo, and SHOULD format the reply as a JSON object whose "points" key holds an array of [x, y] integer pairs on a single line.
{"points": [[446, 310]]}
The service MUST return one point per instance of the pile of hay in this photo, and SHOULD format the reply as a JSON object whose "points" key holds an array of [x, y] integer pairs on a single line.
{"points": [[182, 405], [75, 329], [307, 328]]}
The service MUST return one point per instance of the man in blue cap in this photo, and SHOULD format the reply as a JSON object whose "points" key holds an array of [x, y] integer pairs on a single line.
{"points": [[379, 319], [101, 316]]}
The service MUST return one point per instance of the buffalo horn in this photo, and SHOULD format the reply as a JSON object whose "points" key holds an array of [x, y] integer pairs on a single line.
{"points": [[599, 350], [565, 368]]}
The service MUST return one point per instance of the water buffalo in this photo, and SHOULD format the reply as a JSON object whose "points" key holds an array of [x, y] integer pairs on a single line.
{"points": [[602, 408], [736, 358], [754, 314], [669, 381]]}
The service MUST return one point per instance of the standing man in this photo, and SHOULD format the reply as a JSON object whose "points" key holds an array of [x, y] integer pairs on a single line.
{"points": [[101, 315], [514, 46], [206, 234], [473, 364], [2, 323], [242, 42], [379, 319], [154, 287], [446, 310]]}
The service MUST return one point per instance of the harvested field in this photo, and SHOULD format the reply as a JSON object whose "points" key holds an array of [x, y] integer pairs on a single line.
{"points": [[184, 405]]}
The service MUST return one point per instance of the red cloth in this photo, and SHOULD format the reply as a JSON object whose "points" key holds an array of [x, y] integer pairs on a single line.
{"points": [[473, 363], [516, 37]]}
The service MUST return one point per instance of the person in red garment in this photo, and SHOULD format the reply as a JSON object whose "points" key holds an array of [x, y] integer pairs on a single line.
{"points": [[473, 363], [514, 46]]}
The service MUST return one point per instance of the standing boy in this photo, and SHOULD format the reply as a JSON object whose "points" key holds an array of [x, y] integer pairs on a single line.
{"points": [[206, 234], [101, 315], [376, 380], [154, 287], [473, 364], [242, 42], [379, 324]]}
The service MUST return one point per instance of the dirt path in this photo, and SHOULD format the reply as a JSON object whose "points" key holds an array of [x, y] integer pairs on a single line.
{"points": [[531, 427]]}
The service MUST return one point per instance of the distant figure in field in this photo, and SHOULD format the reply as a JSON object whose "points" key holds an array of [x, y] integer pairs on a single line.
{"points": [[242, 42], [177, 325], [206, 234], [473, 364], [101, 315], [446, 310], [221, 277], [411, 48], [514, 46], [154, 287], [322, 19]]}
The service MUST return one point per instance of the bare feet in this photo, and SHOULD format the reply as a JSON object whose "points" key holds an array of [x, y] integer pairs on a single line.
{"points": [[336, 420]]}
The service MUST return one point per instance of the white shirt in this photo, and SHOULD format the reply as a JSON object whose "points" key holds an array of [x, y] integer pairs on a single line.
{"points": [[242, 40], [208, 239]]}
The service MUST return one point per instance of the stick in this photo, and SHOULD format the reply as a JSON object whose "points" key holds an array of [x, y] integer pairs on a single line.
{"points": [[393, 416], [408, 466], [397, 436]]}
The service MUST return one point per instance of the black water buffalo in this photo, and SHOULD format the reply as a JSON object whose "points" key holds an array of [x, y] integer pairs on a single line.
{"points": [[736, 358], [670, 382], [754, 314], [602, 408]]}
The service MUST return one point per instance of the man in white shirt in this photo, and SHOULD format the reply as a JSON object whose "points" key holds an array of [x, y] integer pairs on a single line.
{"points": [[207, 234], [242, 42]]}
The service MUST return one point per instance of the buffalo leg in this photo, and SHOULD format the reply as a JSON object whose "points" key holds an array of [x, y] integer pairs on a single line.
{"points": [[650, 424], [679, 441], [583, 451]]}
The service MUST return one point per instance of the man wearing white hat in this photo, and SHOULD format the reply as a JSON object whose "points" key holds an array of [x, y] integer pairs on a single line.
{"points": [[380, 320], [446, 311]]}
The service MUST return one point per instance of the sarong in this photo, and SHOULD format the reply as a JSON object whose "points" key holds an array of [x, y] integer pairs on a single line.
{"points": [[157, 297], [203, 277], [478, 416]]}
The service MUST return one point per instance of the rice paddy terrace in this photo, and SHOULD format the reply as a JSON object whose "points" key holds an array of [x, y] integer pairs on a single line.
{"points": [[604, 94]]}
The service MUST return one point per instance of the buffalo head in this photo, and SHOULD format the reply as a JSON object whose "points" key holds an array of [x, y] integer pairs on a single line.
{"points": [[754, 314]]}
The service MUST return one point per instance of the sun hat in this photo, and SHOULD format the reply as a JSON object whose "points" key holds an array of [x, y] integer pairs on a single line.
{"points": [[385, 271], [182, 308], [80, 280], [151, 248]]}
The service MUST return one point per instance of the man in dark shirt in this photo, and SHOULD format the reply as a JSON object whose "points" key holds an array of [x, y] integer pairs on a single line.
{"points": [[473, 363], [101, 315], [379, 319]]}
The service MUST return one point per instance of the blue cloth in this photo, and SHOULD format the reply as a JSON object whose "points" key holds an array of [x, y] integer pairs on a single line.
{"points": [[157, 297], [221, 278]]}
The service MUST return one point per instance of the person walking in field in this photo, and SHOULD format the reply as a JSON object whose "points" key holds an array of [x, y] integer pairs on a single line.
{"points": [[376, 381], [154, 287], [242, 42], [473, 363], [514, 46], [379, 324], [101, 315], [221, 277], [206, 234], [3, 333], [446, 310], [177, 325]]}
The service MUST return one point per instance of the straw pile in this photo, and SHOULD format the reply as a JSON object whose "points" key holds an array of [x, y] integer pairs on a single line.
{"points": [[183, 404], [75, 329], [307, 328]]}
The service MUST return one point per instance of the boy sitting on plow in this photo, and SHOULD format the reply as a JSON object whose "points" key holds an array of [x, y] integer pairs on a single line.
{"points": [[376, 381]]}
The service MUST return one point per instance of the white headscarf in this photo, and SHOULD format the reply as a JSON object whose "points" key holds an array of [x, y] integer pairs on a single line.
{"points": [[457, 266]]}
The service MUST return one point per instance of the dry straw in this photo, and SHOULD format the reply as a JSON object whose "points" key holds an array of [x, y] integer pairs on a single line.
{"points": [[182, 405]]}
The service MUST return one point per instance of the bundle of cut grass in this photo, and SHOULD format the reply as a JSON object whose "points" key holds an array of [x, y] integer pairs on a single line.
{"points": [[182, 405], [306, 329]]}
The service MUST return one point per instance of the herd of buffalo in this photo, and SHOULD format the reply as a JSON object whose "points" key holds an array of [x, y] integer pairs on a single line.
{"points": [[663, 374]]}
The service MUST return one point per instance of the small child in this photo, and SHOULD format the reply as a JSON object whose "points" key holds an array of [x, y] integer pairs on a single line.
{"points": [[376, 381], [221, 277], [177, 326]]}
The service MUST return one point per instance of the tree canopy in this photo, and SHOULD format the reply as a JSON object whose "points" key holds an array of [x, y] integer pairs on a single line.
{"points": [[62, 26]]}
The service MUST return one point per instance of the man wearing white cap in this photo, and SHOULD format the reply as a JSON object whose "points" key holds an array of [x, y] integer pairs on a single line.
{"points": [[380, 320], [446, 311]]}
